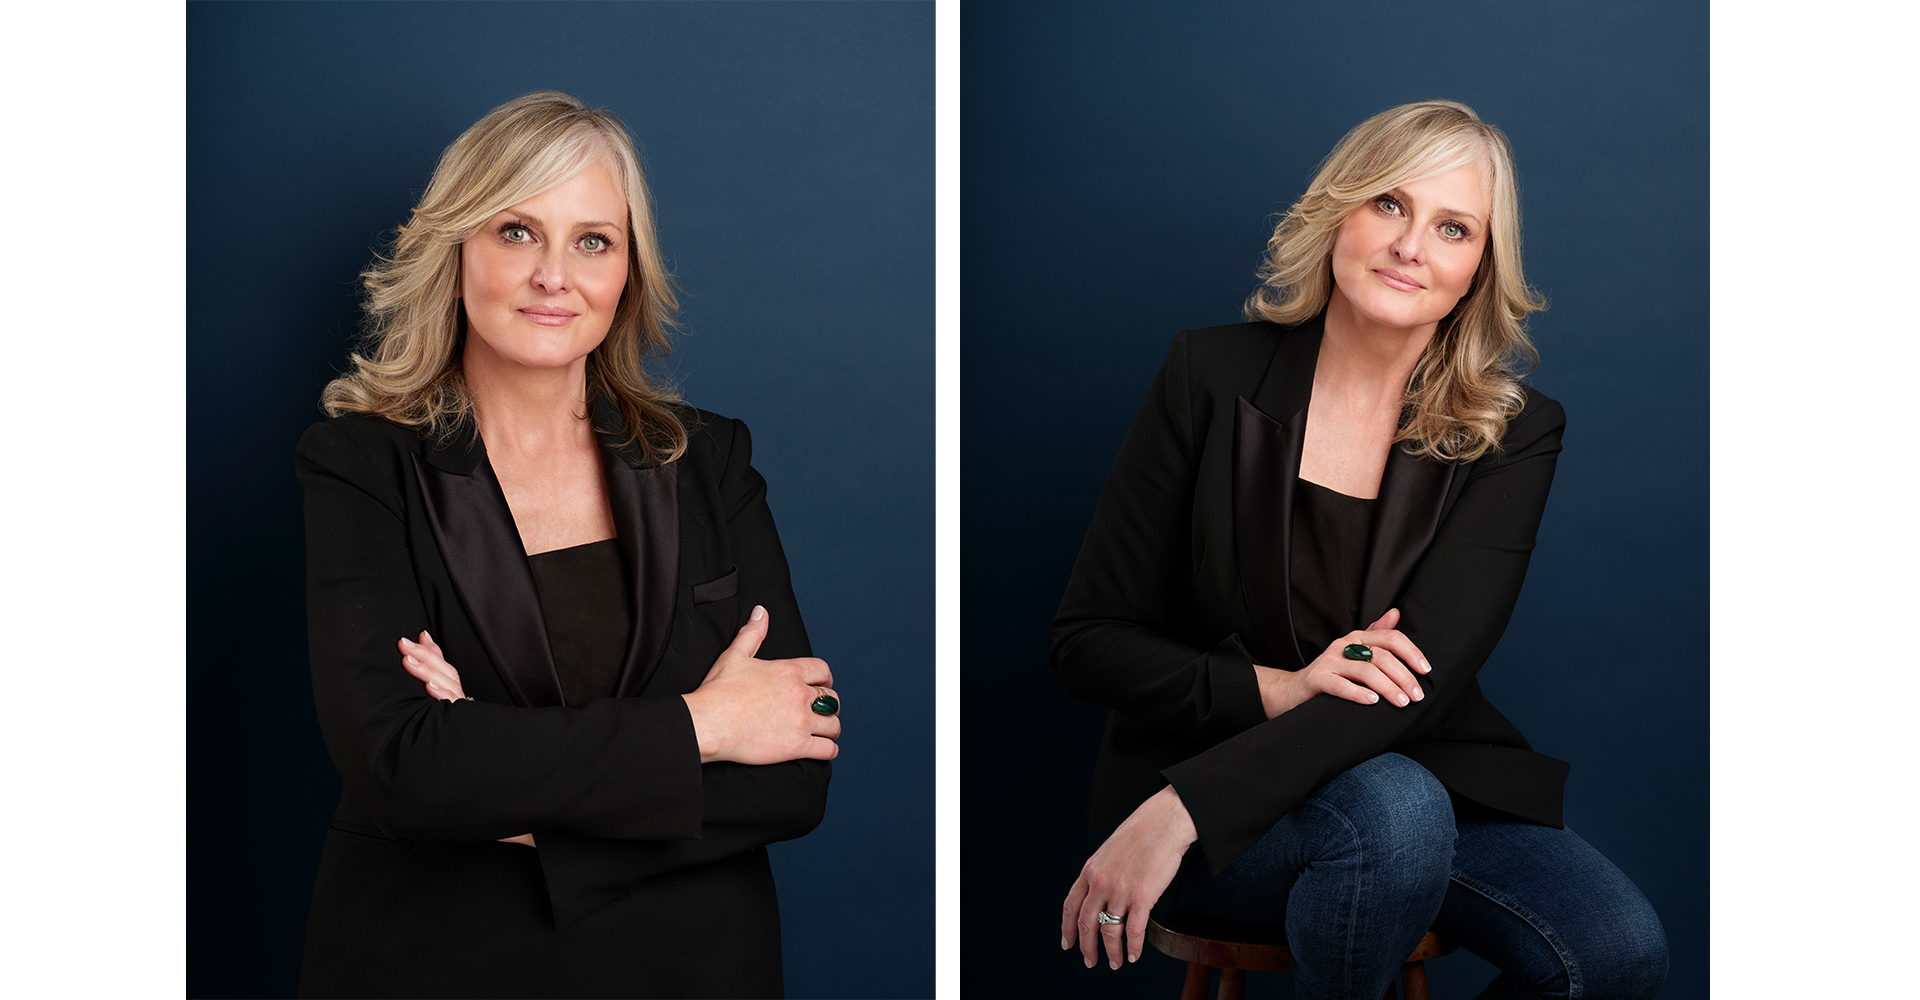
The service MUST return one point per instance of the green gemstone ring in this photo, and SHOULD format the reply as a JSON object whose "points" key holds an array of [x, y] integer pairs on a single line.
{"points": [[826, 704], [1355, 651]]}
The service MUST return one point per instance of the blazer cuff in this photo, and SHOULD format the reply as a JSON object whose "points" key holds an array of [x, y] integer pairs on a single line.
{"points": [[584, 873], [1235, 689]]}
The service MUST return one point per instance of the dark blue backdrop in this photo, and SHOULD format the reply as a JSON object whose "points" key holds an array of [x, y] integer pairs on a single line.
{"points": [[1121, 166], [790, 151]]}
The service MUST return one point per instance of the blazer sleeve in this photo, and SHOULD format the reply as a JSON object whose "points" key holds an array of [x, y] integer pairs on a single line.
{"points": [[1455, 607], [1123, 636], [747, 804]]}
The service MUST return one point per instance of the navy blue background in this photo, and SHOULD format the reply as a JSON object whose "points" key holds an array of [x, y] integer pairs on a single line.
{"points": [[1122, 164], [790, 152]]}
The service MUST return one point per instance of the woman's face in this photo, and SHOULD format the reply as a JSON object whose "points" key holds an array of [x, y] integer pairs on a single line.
{"points": [[1405, 258], [542, 279]]}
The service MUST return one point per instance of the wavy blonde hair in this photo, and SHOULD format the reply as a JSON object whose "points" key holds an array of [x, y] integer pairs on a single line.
{"points": [[408, 368], [1467, 385]]}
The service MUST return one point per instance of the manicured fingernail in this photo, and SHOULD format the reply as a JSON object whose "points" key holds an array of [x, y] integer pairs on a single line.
{"points": [[1089, 963], [404, 641], [1403, 701], [1115, 964], [1424, 666], [758, 613], [1371, 697], [1063, 943], [428, 634], [410, 661]]}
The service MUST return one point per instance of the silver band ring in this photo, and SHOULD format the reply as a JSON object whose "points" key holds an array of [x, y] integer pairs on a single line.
{"points": [[1108, 918]]}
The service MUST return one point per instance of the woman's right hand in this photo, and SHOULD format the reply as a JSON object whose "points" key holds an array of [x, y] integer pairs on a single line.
{"points": [[428, 665], [757, 711], [1389, 675]]}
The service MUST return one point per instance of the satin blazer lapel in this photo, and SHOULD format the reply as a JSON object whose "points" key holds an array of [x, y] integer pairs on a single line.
{"points": [[646, 510], [483, 554], [1412, 493], [1266, 460], [1269, 433]]}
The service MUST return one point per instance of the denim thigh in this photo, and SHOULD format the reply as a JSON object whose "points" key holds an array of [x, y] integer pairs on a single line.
{"points": [[1552, 913], [1357, 872], [1364, 865]]}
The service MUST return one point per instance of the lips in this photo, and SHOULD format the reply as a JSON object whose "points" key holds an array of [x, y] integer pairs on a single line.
{"points": [[548, 315], [1394, 279]]}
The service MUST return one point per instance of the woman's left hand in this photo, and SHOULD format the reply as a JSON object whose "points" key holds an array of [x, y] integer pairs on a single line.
{"points": [[1125, 877], [429, 665]]}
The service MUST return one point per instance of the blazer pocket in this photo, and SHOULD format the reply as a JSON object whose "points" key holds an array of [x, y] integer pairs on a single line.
{"points": [[718, 589]]}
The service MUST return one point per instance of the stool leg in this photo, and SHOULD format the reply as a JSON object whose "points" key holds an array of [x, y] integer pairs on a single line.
{"points": [[1233, 984], [1415, 975], [1196, 987]]}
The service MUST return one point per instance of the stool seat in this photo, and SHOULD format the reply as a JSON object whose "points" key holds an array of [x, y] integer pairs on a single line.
{"points": [[1235, 948]]}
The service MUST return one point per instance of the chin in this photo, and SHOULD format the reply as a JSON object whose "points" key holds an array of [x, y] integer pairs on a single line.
{"points": [[555, 359], [1399, 317]]}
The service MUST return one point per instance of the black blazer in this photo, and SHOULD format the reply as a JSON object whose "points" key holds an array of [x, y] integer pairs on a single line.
{"points": [[1181, 586], [404, 535]]}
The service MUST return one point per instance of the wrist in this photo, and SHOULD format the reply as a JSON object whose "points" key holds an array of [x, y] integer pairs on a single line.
{"points": [[704, 737], [1276, 689], [1179, 820]]}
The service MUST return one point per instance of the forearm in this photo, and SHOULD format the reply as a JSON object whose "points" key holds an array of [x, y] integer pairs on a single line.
{"points": [[748, 807], [469, 771], [1240, 787], [1207, 694]]}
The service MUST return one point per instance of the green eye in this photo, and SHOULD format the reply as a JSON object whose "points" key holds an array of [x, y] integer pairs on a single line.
{"points": [[516, 234], [593, 244], [1453, 231]]}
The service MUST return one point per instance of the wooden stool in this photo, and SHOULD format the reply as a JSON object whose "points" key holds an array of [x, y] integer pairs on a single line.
{"points": [[1235, 949]]}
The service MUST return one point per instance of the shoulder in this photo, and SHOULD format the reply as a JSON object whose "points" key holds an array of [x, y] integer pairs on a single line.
{"points": [[1535, 430], [356, 439], [712, 439], [719, 449], [1214, 352], [362, 430], [1539, 416], [1265, 363], [718, 461], [366, 453]]}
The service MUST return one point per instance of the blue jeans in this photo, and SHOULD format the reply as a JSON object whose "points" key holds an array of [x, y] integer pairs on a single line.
{"points": [[1366, 864]]}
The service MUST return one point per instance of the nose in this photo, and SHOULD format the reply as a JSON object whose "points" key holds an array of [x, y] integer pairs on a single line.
{"points": [[1408, 246], [550, 273]]}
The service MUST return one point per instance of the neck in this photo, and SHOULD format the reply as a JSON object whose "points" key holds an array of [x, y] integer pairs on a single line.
{"points": [[518, 408], [1366, 362]]}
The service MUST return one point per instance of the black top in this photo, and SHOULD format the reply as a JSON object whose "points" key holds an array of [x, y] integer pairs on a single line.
{"points": [[1330, 533], [587, 600]]}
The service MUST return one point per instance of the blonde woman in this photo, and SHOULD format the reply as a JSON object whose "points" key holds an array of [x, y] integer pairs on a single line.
{"points": [[556, 655], [1310, 542]]}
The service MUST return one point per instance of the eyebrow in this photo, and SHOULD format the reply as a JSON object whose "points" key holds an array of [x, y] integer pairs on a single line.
{"points": [[591, 224], [1469, 216]]}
